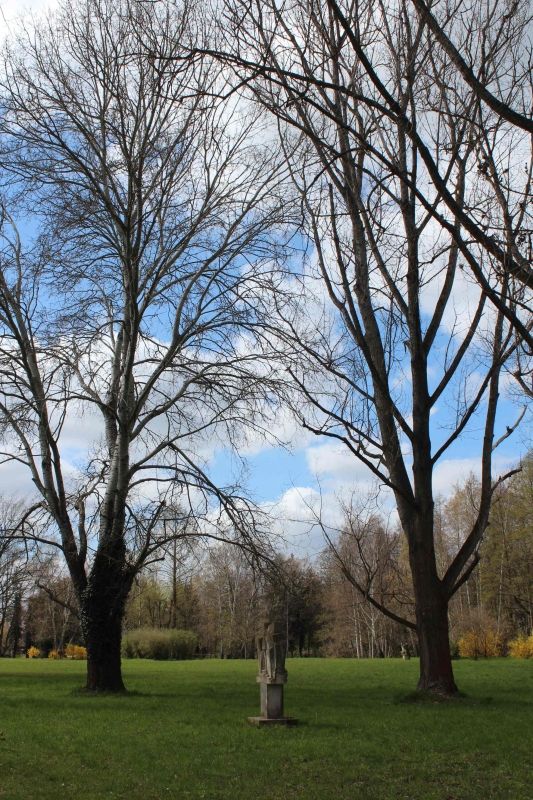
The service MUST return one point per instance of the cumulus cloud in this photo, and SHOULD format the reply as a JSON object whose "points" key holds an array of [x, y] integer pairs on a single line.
{"points": [[452, 472], [301, 513], [299, 516], [338, 469]]}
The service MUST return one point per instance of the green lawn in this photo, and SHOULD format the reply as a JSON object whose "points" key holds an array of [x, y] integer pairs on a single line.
{"points": [[184, 734]]}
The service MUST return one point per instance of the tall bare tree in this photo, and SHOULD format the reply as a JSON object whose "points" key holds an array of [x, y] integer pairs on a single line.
{"points": [[493, 38], [131, 294], [397, 169]]}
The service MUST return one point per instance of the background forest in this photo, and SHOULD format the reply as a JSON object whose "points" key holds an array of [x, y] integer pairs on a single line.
{"points": [[215, 593]]}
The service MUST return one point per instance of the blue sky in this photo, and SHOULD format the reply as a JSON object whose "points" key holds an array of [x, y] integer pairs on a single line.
{"points": [[311, 469]]}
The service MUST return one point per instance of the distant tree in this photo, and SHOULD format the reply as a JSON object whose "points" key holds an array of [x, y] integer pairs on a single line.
{"points": [[366, 570], [501, 585], [15, 628], [148, 603], [228, 595], [294, 588], [506, 566], [51, 615], [460, 511], [16, 577]]}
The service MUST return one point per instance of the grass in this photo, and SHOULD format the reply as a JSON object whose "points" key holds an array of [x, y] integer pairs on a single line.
{"points": [[182, 733]]}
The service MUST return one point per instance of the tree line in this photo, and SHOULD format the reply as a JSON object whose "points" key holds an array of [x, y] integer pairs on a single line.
{"points": [[210, 215], [218, 596]]}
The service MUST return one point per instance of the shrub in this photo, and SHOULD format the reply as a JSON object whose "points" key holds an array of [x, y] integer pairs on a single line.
{"points": [[76, 652], [480, 642], [55, 655], [160, 644], [521, 647], [33, 652]]}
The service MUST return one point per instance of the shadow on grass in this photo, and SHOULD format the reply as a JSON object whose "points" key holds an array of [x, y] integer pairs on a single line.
{"points": [[44, 677], [460, 700], [82, 691], [433, 698]]}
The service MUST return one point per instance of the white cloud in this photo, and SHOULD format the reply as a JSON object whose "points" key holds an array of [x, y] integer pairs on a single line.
{"points": [[11, 12], [16, 482], [452, 472], [82, 428], [277, 425], [299, 515], [337, 466]]}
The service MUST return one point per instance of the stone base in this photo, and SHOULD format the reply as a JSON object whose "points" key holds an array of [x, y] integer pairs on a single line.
{"points": [[271, 705], [259, 722]]}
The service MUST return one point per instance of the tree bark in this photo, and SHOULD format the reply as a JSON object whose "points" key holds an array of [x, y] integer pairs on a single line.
{"points": [[104, 671], [436, 672], [102, 612]]}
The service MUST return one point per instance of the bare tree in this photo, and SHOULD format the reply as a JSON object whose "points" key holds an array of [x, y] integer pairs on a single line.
{"points": [[134, 306], [400, 210], [366, 560], [475, 75], [262, 42], [15, 579]]}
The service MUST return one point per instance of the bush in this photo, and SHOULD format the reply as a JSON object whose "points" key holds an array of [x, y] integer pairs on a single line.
{"points": [[76, 652], [480, 642], [55, 655], [521, 647], [160, 644], [33, 652]]}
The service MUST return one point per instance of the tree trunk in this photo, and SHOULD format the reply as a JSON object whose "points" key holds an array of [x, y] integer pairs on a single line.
{"points": [[104, 670], [16, 625], [431, 607], [102, 611], [436, 672]]}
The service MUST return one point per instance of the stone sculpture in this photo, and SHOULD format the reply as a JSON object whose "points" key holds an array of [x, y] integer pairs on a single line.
{"points": [[272, 674]]}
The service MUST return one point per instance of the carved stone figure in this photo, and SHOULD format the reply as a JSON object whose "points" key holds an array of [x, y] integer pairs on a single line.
{"points": [[271, 655], [405, 652], [272, 674]]}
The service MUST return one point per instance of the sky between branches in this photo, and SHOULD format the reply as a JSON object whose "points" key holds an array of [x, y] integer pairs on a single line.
{"points": [[312, 474]]}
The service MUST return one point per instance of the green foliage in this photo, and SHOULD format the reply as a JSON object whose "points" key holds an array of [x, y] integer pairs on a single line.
{"points": [[159, 644]]}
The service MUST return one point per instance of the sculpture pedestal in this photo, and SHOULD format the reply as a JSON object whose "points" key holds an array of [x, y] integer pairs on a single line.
{"points": [[261, 722], [271, 695]]}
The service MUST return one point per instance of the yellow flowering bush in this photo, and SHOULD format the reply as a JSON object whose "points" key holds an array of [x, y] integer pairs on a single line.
{"points": [[76, 651], [475, 643], [55, 655], [521, 647], [33, 652]]}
